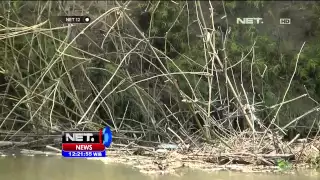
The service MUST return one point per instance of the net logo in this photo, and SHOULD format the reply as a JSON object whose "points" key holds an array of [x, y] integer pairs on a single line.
{"points": [[79, 137], [86, 143], [250, 20]]}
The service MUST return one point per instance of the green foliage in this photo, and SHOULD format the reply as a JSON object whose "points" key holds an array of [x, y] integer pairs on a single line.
{"points": [[169, 20], [309, 67], [231, 4], [270, 55], [279, 62], [256, 4], [284, 165]]}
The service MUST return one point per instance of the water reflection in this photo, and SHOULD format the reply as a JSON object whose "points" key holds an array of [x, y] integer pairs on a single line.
{"points": [[192, 175], [54, 168]]}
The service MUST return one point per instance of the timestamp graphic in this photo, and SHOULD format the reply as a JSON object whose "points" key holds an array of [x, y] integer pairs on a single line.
{"points": [[74, 19], [85, 154]]}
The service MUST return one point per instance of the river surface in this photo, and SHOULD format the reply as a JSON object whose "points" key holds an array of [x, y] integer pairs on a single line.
{"points": [[56, 168]]}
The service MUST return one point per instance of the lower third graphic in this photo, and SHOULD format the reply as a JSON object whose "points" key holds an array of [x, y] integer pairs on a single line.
{"points": [[86, 143]]}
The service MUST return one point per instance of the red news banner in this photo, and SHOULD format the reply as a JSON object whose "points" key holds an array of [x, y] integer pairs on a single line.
{"points": [[83, 147], [82, 141]]}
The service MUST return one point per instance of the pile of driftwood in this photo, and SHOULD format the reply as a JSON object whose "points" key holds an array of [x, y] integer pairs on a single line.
{"points": [[246, 150]]}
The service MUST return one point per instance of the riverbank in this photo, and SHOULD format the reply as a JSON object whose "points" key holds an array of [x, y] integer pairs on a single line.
{"points": [[210, 158], [269, 153], [244, 155]]}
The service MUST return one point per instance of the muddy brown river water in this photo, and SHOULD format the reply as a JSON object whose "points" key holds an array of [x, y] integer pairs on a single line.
{"points": [[57, 168]]}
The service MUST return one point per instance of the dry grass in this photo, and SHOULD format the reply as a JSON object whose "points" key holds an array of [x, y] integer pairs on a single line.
{"points": [[51, 69]]}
